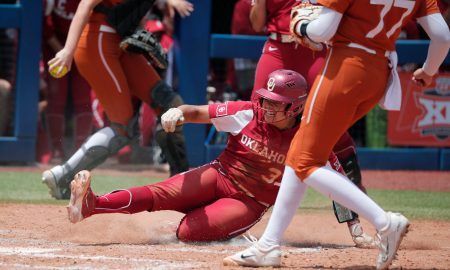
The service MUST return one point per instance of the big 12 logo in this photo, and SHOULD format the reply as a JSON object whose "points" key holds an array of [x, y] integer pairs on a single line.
{"points": [[435, 105]]}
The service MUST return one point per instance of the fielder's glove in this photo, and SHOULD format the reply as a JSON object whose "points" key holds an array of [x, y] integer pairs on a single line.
{"points": [[301, 14], [145, 43], [171, 119]]}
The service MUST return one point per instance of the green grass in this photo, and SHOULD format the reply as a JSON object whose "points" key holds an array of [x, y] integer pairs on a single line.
{"points": [[22, 187], [413, 204]]}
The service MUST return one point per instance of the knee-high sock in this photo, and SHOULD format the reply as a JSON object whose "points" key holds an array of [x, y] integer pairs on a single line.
{"points": [[289, 196], [333, 185], [127, 201]]}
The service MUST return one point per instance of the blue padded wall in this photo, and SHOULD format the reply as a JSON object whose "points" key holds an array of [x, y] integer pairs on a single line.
{"points": [[26, 17]]}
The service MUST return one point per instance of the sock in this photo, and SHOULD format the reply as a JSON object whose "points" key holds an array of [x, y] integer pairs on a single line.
{"points": [[128, 201], [333, 185], [289, 196]]}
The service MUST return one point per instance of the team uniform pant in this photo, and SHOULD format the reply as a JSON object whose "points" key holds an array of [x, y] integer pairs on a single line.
{"points": [[114, 75], [215, 208], [278, 55], [350, 84]]}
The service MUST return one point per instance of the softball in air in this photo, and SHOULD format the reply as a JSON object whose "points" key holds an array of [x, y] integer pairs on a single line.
{"points": [[55, 74]]}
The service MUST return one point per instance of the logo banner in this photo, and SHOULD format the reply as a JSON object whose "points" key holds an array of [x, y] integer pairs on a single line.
{"points": [[424, 118]]}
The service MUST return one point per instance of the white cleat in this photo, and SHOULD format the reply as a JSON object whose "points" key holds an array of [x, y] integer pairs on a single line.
{"points": [[49, 179], [359, 237], [256, 257], [389, 239], [82, 199]]}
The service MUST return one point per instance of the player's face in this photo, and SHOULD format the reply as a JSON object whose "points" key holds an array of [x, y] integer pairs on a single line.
{"points": [[273, 111]]}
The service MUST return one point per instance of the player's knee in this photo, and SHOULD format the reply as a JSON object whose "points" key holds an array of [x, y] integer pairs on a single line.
{"points": [[186, 232], [191, 230], [163, 96], [305, 170], [130, 130]]}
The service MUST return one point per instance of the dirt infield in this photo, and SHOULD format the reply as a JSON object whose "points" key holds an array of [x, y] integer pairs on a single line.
{"points": [[40, 237]]}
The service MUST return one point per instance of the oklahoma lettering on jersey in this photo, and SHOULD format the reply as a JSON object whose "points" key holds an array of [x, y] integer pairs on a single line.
{"points": [[255, 153], [380, 29]]}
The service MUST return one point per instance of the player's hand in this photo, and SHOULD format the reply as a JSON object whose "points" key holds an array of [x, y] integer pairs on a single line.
{"points": [[62, 59], [171, 119], [183, 7], [300, 14], [421, 78]]}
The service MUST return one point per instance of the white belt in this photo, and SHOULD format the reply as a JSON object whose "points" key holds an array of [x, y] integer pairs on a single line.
{"points": [[281, 38], [362, 47], [107, 29]]}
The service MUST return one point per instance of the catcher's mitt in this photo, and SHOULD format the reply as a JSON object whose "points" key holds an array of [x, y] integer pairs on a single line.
{"points": [[300, 14], [145, 43]]}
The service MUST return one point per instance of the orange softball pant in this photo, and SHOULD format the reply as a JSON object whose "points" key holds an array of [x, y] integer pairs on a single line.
{"points": [[113, 74], [350, 84]]}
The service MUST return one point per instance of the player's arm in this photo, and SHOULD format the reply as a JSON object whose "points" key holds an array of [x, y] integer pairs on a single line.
{"points": [[184, 114], [437, 29], [258, 15], [195, 113], [321, 29], [65, 56]]}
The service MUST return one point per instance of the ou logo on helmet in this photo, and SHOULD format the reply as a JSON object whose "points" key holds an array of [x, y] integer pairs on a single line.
{"points": [[271, 84]]}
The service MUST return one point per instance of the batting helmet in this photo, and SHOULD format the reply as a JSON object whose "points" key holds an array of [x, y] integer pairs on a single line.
{"points": [[284, 86]]}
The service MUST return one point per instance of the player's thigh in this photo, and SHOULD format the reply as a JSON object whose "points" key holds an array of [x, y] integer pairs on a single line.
{"points": [[304, 61], [186, 191], [338, 94], [268, 62], [141, 76], [98, 60], [220, 220]]}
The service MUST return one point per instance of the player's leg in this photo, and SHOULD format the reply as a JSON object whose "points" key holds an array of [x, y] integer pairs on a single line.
{"points": [[342, 94], [221, 220], [230, 213], [84, 203], [266, 252], [182, 192], [101, 67], [332, 106], [146, 84], [102, 144], [310, 63], [345, 150]]}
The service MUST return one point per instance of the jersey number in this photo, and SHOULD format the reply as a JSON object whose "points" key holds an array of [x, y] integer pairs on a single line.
{"points": [[387, 5]]}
